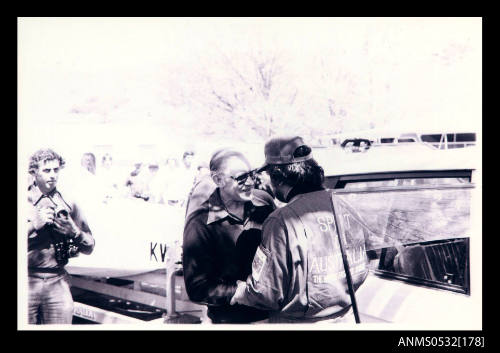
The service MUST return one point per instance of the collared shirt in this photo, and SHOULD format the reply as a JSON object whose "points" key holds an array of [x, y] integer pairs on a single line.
{"points": [[218, 249], [217, 212], [41, 252]]}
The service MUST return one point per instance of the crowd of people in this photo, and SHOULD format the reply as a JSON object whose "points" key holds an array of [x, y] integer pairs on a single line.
{"points": [[166, 182], [259, 244]]}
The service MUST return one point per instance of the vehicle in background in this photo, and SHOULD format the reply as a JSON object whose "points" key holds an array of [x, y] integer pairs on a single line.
{"points": [[125, 280], [437, 140], [413, 206], [356, 145]]}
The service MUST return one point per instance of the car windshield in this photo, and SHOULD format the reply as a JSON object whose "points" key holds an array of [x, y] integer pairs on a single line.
{"points": [[406, 215], [417, 232]]}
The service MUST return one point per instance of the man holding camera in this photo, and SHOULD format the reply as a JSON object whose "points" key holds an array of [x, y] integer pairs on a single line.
{"points": [[57, 231]]}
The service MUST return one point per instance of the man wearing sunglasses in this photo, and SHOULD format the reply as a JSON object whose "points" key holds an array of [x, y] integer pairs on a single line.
{"points": [[221, 236]]}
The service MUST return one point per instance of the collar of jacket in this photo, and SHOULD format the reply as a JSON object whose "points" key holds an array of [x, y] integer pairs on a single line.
{"points": [[217, 211], [35, 194], [296, 191]]}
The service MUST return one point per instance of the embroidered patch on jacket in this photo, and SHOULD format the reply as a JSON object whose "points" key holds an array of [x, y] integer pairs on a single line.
{"points": [[258, 263]]}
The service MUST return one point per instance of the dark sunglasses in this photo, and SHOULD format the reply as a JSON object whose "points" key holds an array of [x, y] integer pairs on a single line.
{"points": [[241, 179]]}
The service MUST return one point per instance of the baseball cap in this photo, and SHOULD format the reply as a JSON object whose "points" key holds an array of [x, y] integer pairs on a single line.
{"points": [[280, 150]]}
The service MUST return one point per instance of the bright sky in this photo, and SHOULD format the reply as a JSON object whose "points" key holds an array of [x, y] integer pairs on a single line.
{"points": [[433, 65]]}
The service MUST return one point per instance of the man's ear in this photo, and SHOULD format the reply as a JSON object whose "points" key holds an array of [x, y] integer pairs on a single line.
{"points": [[218, 179]]}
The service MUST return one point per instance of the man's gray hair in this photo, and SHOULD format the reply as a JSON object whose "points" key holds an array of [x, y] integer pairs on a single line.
{"points": [[220, 156]]}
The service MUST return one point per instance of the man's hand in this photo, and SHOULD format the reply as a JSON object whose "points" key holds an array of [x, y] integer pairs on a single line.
{"points": [[66, 225], [239, 294], [43, 216]]}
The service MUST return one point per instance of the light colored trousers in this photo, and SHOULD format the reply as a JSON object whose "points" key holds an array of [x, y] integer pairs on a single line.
{"points": [[50, 300]]}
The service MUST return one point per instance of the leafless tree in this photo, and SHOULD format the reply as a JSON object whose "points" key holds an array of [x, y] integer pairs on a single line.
{"points": [[250, 94]]}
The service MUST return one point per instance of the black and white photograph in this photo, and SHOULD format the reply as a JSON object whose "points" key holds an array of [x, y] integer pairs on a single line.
{"points": [[250, 173]]}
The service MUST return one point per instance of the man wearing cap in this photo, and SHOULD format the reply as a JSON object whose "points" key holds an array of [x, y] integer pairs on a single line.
{"points": [[298, 272], [220, 238], [57, 230]]}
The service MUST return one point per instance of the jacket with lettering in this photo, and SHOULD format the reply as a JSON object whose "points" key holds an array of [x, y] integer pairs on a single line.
{"points": [[298, 272]]}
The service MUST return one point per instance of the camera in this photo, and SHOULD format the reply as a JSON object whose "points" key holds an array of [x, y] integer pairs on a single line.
{"points": [[62, 213], [64, 247], [64, 250]]}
